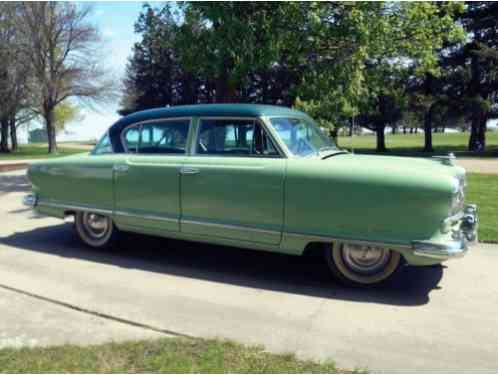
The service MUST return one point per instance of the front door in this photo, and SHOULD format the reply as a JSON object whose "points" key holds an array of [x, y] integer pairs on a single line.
{"points": [[232, 187], [147, 190]]}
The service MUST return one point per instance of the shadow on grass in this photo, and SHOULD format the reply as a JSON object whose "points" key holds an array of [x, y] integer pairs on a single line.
{"points": [[305, 275]]}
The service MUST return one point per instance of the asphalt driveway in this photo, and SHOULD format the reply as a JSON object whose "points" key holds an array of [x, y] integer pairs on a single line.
{"points": [[54, 290]]}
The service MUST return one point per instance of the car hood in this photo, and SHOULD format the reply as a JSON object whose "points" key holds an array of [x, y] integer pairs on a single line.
{"points": [[389, 165]]}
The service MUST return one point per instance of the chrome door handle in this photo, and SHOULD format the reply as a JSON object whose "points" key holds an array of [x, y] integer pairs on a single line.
{"points": [[121, 168], [188, 170]]}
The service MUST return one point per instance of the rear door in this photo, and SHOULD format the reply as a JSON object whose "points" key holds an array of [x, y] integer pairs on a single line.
{"points": [[232, 187], [147, 184]]}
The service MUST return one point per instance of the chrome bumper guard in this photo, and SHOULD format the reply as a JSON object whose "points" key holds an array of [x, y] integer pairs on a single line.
{"points": [[30, 200], [464, 237]]}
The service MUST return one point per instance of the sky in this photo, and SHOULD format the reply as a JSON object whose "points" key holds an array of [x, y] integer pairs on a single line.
{"points": [[115, 21]]}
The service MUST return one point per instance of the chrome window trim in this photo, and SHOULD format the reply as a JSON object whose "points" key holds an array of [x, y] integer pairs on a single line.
{"points": [[281, 153], [165, 119]]}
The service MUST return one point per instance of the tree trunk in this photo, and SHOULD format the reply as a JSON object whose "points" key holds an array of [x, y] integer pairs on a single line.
{"points": [[482, 131], [475, 133], [428, 130], [49, 125], [351, 124], [4, 134], [13, 134], [381, 139]]}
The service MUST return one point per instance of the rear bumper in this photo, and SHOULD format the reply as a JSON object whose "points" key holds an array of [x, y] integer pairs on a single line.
{"points": [[461, 239]]}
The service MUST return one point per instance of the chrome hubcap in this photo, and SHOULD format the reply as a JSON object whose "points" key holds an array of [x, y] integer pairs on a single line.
{"points": [[96, 225], [365, 259]]}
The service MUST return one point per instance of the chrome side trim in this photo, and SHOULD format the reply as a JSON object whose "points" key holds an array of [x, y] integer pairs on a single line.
{"points": [[230, 226], [75, 207], [105, 212], [121, 168], [189, 170], [312, 237], [147, 217], [454, 249]]}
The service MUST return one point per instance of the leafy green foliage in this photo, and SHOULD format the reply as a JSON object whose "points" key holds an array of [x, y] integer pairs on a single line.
{"points": [[472, 69], [65, 113]]}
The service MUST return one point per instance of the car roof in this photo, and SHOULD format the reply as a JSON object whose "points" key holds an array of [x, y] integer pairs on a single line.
{"points": [[201, 110], [241, 110]]}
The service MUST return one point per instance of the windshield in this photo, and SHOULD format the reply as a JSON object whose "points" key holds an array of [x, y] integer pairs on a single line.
{"points": [[302, 137]]}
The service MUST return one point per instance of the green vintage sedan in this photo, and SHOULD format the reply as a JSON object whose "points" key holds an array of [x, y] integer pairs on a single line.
{"points": [[264, 178]]}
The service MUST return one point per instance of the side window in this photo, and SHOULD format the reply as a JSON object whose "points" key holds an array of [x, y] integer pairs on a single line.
{"points": [[104, 146], [234, 138], [131, 137], [163, 137]]}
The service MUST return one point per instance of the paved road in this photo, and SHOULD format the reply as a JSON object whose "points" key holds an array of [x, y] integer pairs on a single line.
{"points": [[429, 319], [479, 165]]}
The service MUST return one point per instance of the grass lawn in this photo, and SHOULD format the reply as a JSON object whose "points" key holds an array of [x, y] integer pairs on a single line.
{"points": [[412, 144], [483, 190], [38, 152], [170, 355]]}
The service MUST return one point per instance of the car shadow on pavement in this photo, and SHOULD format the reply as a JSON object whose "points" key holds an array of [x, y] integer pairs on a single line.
{"points": [[305, 275]]}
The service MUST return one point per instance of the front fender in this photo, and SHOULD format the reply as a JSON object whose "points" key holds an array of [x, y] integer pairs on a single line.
{"points": [[368, 198]]}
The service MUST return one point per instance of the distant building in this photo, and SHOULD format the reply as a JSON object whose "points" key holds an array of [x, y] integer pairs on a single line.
{"points": [[37, 136]]}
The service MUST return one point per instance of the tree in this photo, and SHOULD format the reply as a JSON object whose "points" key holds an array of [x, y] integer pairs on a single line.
{"points": [[473, 69], [154, 77], [233, 39], [211, 52], [61, 47], [65, 113], [14, 75], [406, 40]]}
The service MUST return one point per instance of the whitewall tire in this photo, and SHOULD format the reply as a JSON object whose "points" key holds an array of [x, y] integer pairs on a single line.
{"points": [[362, 265], [95, 230]]}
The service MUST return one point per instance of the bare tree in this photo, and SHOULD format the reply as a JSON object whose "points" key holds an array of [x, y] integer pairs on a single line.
{"points": [[13, 74], [62, 48]]}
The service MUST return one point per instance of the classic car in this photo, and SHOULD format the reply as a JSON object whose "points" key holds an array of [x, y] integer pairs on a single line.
{"points": [[260, 177]]}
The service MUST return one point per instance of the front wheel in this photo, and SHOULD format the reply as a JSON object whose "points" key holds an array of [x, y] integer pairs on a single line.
{"points": [[362, 265], [95, 230]]}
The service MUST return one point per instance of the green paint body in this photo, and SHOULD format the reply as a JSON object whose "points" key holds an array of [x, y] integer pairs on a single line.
{"points": [[273, 204]]}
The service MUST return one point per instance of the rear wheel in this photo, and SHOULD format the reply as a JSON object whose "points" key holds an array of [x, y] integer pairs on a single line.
{"points": [[95, 230], [362, 265]]}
